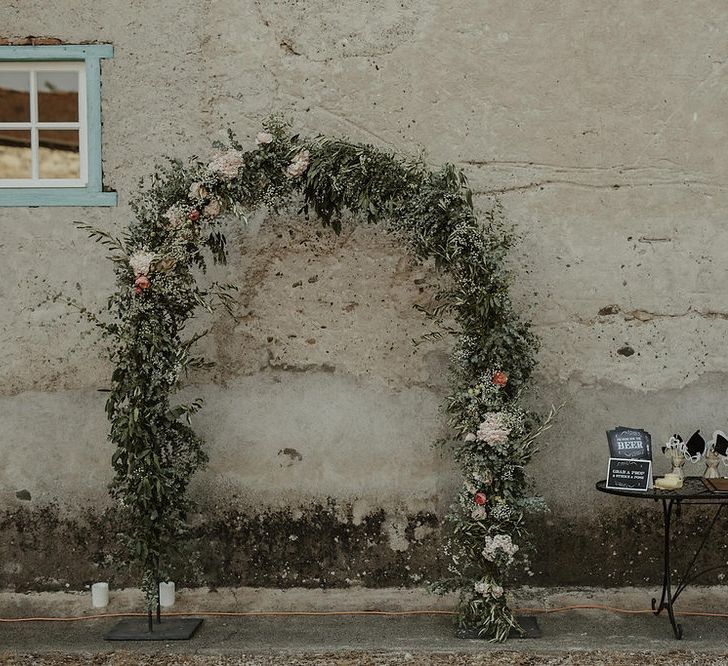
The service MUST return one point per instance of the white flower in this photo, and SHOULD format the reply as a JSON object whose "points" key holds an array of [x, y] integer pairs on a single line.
{"points": [[502, 543], [470, 437], [479, 513], [494, 429], [197, 191], [488, 589], [212, 209], [141, 262], [299, 165], [263, 138], [176, 216], [227, 164]]}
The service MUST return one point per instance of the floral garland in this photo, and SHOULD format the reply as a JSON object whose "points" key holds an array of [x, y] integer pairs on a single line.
{"points": [[157, 259]]}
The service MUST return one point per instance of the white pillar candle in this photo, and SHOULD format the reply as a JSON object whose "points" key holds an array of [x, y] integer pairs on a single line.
{"points": [[100, 595], [166, 594]]}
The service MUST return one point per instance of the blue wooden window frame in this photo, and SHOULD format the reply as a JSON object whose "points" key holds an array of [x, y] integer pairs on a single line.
{"points": [[92, 194]]}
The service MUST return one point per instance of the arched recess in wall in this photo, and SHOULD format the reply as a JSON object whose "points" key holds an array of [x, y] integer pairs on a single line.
{"points": [[178, 230]]}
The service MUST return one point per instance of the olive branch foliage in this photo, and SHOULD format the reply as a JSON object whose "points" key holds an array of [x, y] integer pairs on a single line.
{"points": [[431, 211]]}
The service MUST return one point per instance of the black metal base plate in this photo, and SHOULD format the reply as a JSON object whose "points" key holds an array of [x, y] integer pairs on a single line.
{"points": [[169, 629], [528, 623]]}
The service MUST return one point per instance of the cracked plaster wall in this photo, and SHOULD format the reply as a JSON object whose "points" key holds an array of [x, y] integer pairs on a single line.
{"points": [[601, 126]]}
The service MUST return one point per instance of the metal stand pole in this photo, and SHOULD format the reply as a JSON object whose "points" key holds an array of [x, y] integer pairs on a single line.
{"points": [[666, 598], [159, 600], [665, 560]]}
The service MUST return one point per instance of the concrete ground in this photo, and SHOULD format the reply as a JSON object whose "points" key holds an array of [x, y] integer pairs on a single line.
{"points": [[572, 637], [575, 637]]}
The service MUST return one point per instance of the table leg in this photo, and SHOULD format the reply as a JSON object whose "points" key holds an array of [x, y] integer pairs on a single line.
{"points": [[666, 598], [687, 577]]}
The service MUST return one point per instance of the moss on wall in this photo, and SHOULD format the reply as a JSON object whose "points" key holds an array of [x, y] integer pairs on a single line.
{"points": [[325, 545]]}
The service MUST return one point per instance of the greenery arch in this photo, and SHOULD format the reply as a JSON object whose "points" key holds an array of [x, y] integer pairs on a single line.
{"points": [[178, 228]]}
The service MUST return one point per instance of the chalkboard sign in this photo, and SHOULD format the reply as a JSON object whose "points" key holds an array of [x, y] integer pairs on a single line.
{"points": [[629, 443], [629, 474]]}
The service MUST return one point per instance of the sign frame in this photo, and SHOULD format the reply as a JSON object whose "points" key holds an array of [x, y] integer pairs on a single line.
{"points": [[628, 462], [643, 439]]}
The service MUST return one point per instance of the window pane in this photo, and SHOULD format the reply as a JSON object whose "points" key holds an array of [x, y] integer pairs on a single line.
{"points": [[14, 97], [58, 154], [57, 96], [15, 157]]}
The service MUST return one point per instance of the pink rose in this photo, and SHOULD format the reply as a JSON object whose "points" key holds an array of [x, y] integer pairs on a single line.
{"points": [[500, 378], [480, 499], [194, 215], [141, 283], [299, 165]]}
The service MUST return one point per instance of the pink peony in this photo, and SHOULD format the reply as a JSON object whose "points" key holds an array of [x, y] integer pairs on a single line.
{"points": [[227, 165], [299, 165], [494, 429]]}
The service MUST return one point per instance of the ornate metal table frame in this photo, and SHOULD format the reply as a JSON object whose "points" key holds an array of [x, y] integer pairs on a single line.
{"points": [[692, 492]]}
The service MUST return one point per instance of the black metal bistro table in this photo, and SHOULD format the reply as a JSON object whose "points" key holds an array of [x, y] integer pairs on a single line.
{"points": [[692, 492]]}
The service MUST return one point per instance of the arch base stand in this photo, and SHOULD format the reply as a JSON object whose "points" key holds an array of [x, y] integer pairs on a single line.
{"points": [[169, 629], [528, 623]]}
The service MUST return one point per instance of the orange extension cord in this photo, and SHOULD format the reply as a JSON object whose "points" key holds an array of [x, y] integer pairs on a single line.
{"points": [[544, 611]]}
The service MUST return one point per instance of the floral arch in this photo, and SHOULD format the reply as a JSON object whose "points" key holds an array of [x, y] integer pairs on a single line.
{"points": [[177, 231]]}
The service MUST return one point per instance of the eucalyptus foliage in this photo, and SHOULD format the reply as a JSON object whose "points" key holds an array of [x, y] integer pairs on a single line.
{"points": [[158, 261]]}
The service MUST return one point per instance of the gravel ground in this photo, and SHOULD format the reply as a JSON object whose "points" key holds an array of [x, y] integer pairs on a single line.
{"points": [[496, 658]]}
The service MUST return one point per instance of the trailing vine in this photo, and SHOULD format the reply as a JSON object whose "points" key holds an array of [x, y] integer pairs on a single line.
{"points": [[177, 230]]}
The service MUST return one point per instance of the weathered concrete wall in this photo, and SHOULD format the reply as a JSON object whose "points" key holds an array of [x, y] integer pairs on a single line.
{"points": [[600, 125]]}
